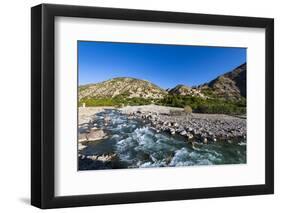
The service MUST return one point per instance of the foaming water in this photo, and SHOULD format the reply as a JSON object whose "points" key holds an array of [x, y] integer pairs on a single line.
{"points": [[138, 146]]}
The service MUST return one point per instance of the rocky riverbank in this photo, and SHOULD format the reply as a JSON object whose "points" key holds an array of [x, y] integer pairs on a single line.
{"points": [[87, 128], [87, 114], [197, 127]]}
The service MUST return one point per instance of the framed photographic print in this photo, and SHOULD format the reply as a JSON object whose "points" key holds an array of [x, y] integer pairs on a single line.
{"points": [[140, 106]]}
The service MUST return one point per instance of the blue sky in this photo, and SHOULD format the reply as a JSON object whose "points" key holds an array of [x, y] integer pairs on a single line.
{"points": [[164, 65]]}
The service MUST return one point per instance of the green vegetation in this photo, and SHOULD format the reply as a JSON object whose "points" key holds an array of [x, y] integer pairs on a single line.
{"points": [[187, 109], [189, 103], [209, 92], [117, 101], [210, 105]]}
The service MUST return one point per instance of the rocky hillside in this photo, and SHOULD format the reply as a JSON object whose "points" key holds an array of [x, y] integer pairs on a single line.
{"points": [[180, 90], [127, 87], [185, 90], [231, 85]]}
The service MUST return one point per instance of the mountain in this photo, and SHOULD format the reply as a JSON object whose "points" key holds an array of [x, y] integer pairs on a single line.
{"points": [[185, 90], [180, 89], [231, 85], [125, 86]]}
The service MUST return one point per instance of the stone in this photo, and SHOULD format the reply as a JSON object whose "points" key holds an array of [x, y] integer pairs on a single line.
{"points": [[189, 136], [107, 119], [180, 129], [82, 137], [183, 133], [205, 140], [175, 124], [96, 134], [210, 133], [81, 147], [172, 131]]}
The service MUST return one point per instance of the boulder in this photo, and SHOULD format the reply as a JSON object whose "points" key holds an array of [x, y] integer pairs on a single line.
{"points": [[81, 146], [183, 133], [96, 134], [82, 137], [189, 136], [172, 131]]}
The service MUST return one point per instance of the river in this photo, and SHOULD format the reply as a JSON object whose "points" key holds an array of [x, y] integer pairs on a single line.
{"points": [[138, 146]]}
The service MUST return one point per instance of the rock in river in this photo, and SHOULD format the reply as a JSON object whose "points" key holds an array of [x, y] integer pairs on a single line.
{"points": [[96, 134], [183, 133]]}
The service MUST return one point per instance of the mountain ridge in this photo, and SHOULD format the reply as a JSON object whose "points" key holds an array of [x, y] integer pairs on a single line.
{"points": [[230, 85], [125, 86]]}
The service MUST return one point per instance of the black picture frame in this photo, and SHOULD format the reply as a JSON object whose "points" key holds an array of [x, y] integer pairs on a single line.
{"points": [[43, 111]]}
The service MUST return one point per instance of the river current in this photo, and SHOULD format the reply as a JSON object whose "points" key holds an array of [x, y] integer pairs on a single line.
{"points": [[138, 146]]}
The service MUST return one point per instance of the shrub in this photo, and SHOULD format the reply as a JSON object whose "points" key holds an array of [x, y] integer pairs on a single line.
{"points": [[187, 109], [202, 108], [221, 108]]}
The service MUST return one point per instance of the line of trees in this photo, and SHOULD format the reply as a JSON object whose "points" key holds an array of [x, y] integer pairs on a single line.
{"points": [[197, 104], [201, 105]]}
